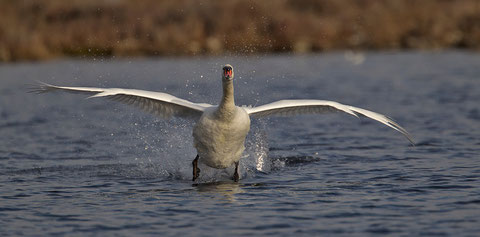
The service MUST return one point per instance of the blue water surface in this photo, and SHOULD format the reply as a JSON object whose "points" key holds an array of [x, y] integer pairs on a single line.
{"points": [[75, 166]]}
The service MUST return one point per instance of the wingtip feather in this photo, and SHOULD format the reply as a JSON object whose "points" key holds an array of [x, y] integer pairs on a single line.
{"points": [[40, 88]]}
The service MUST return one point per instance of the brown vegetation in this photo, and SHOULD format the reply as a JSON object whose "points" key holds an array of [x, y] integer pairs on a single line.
{"points": [[32, 30]]}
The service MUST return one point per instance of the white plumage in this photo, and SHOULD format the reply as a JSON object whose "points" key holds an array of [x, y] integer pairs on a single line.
{"points": [[220, 131], [220, 142]]}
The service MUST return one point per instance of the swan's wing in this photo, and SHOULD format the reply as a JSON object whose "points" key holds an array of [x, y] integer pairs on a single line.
{"points": [[161, 104], [293, 107]]}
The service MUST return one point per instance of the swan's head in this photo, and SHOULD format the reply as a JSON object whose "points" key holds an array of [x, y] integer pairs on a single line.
{"points": [[227, 72]]}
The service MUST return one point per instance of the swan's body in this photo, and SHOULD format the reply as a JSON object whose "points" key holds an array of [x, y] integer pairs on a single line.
{"points": [[220, 132], [220, 142]]}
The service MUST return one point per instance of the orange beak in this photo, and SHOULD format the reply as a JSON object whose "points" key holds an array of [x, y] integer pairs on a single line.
{"points": [[227, 72]]}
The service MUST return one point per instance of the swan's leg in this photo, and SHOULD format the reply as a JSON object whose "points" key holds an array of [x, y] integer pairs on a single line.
{"points": [[196, 170], [236, 177]]}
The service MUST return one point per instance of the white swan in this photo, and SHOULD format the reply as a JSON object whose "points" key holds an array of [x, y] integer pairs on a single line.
{"points": [[220, 131]]}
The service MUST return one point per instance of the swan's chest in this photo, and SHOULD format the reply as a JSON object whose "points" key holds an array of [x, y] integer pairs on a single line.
{"points": [[221, 142], [214, 130]]}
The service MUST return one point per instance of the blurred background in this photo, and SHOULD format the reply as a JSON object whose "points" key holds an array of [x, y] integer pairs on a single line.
{"points": [[37, 30]]}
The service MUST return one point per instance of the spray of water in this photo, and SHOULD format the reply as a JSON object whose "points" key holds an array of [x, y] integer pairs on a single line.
{"points": [[165, 150]]}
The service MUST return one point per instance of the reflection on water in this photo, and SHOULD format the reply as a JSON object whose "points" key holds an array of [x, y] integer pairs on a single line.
{"points": [[226, 190]]}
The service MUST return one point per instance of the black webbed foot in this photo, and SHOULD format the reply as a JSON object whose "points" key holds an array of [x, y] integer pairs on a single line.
{"points": [[196, 170], [236, 177]]}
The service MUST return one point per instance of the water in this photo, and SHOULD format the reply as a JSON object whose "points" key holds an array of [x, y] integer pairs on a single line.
{"points": [[70, 166]]}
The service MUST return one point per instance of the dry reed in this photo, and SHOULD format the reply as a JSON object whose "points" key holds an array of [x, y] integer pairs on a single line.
{"points": [[34, 30]]}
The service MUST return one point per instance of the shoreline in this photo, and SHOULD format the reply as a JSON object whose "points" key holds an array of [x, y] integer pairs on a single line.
{"points": [[345, 53], [50, 29]]}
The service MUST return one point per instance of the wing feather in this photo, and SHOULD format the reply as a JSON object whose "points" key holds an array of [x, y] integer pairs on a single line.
{"points": [[294, 107], [161, 104]]}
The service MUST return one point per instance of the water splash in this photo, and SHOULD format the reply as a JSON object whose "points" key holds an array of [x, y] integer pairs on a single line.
{"points": [[167, 148]]}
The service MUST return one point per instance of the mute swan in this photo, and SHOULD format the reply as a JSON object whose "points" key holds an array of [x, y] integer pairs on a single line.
{"points": [[220, 131]]}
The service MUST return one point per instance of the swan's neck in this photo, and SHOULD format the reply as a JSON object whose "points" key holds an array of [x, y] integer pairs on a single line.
{"points": [[227, 106]]}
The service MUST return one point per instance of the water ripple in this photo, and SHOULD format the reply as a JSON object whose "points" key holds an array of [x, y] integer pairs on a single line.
{"points": [[70, 166]]}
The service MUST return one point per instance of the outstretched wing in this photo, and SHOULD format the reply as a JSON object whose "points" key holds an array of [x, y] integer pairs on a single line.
{"points": [[158, 103], [293, 107]]}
